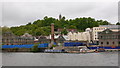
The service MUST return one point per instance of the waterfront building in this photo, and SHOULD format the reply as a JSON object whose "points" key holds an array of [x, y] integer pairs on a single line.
{"points": [[72, 36], [28, 39], [96, 30], [44, 39], [111, 27], [8, 38], [59, 38], [80, 36], [68, 30], [26, 35], [109, 38]]}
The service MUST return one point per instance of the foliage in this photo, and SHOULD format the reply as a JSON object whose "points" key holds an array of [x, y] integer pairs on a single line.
{"points": [[64, 31], [16, 49], [42, 27], [53, 45], [4, 29], [35, 48], [117, 23]]}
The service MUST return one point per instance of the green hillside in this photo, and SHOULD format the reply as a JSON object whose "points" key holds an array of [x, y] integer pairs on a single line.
{"points": [[42, 27]]}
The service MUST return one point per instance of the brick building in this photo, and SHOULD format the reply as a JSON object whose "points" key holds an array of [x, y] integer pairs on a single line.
{"points": [[109, 38]]}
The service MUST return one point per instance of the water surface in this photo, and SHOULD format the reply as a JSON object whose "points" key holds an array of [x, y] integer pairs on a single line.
{"points": [[60, 59]]}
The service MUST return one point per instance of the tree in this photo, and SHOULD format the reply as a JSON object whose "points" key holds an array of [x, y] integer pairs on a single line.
{"points": [[64, 31], [117, 23], [42, 27], [5, 29], [29, 23]]}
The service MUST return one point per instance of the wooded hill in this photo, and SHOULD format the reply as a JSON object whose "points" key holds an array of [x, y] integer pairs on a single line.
{"points": [[42, 27]]}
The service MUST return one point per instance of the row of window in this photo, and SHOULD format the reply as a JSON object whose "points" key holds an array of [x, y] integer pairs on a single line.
{"points": [[109, 37], [15, 40], [109, 43], [8, 35], [100, 28], [17, 44]]}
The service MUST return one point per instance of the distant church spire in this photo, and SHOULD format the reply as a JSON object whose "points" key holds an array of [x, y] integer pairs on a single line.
{"points": [[60, 17]]}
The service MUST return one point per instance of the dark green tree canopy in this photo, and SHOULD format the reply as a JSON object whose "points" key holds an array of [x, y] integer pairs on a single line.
{"points": [[42, 26], [117, 23]]}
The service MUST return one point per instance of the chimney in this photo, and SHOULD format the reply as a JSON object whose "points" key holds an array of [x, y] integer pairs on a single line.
{"points": [[52, 34]]}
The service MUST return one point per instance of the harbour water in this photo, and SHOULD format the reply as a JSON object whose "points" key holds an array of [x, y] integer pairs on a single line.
{"points": [[60, 59]]}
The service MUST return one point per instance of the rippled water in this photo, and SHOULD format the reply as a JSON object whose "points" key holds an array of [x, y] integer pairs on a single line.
{"points": [[60, 59]]}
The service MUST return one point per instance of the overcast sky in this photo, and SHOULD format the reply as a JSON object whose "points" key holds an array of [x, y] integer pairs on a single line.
{"points": [[20, 13]]}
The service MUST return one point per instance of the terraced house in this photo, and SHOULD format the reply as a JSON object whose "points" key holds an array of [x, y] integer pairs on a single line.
{"points": [[8, 38]]}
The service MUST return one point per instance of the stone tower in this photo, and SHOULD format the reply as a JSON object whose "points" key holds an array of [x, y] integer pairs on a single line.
{"points": [[60, 17]]}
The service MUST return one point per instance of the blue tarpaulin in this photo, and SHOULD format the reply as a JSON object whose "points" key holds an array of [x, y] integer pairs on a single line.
{"points": [[92, 44], [25, 46], [73, 44], [43, 45], [117, 47]]}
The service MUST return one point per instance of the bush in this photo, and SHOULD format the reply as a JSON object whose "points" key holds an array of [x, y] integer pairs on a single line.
{"points": [[35, 48], [53, 45], [13, 49], [16, 49]]}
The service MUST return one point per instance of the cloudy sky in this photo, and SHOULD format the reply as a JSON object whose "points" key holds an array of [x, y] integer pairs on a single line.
{"points": [[20, 13]]}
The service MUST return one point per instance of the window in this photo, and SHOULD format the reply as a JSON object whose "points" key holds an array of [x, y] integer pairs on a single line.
{"points": [[116, 37], [101, 37], [107, 43], [113, 42], [112, 36], [2, 40], [101, 42]]}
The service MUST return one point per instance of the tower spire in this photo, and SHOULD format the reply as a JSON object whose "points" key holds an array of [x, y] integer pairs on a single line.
{"points": [[60, 17]]}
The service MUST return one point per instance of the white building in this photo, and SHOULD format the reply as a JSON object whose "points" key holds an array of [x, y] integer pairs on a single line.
{"points": [[80, 36], [95, 31], [56, 36]]}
